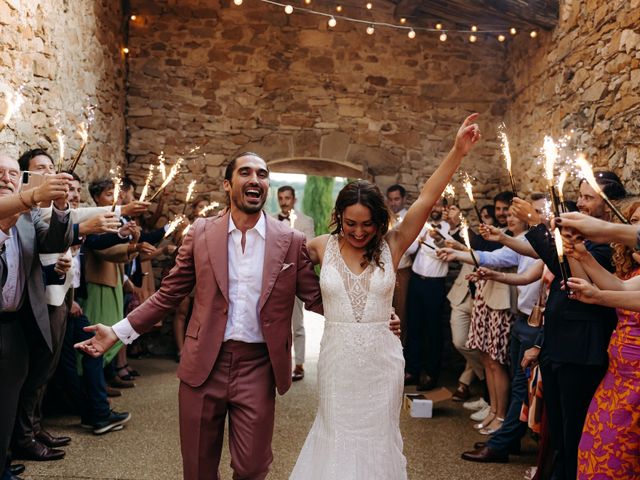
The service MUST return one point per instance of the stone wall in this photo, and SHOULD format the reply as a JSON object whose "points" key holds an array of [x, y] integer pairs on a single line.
{"points": [[67, 54], [585, 76], [252, 78]]}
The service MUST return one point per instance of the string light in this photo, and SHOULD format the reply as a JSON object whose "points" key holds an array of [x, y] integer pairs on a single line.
{"points": [[533, 34], [133, 17], [237, 2], [501, 38], [474, 28], [288, 9], [438, 26], [403, 20], [369, 6], [308, 2], [338, 8], [513, 31], [125, 50], [473, 38], [443, 37], [332, 22], [370, 30], [411, 34]]}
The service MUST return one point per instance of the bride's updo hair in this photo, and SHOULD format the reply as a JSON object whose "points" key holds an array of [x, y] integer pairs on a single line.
{"points": [[367, 194]]}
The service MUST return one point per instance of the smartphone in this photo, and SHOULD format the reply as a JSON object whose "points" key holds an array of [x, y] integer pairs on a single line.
{"points": [[30, 180]]}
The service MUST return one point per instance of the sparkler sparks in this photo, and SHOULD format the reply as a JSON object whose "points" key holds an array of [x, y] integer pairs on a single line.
{"points": [[504, 144], [14, 101], [145, 189], [464, 232]]}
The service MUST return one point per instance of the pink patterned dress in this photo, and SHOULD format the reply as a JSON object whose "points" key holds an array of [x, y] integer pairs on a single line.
{"points": [[610, 443]]}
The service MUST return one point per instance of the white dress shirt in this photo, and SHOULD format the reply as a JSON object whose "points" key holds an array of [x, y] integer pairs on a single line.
{"points": [[245, 287], [426, 263]]}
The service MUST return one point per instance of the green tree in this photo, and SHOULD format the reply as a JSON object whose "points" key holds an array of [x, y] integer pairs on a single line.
{"points": [[318, 201]]}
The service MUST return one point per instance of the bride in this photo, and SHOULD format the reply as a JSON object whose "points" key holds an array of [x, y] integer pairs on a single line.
{"points": [[356, 433]]}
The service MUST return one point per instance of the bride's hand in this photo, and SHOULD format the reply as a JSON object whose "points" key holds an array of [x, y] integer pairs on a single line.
{"points": [[394, 324], [468, 135]]}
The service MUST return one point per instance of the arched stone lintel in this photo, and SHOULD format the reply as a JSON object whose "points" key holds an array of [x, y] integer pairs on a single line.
{"points": [[326, 167]]}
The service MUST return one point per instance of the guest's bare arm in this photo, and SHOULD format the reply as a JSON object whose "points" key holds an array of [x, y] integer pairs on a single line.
{"points": [[578, 253], [530, 275], [586, 292], [518, 245], [403, 236], [600, 231]]}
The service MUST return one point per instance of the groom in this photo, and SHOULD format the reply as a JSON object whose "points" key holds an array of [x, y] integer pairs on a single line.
{"points": [[246, 268]]}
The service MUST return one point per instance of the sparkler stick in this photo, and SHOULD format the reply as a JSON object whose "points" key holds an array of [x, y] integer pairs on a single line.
{"points": [[145, 189], [468, 187], [464, 232], [190, 190], [431, 229], [84, 135], [170, 176], [14, 101], [587, 173], [564, 266], [507, 155]]}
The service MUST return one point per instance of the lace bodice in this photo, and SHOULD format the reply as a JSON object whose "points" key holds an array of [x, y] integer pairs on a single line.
{"points": [[348, 297]]}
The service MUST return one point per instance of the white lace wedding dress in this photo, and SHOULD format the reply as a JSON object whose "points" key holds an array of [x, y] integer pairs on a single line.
{"points": [[356, 433]]}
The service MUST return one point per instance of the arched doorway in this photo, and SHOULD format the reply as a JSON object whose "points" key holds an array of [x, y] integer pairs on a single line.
{"points": [[322, 167]]}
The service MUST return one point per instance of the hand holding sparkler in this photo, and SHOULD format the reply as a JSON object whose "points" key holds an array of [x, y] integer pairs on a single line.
{"points": [[525, 212]]}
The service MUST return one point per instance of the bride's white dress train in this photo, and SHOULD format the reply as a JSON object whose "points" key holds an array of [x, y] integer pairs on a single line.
{"points": [[356, 433]]}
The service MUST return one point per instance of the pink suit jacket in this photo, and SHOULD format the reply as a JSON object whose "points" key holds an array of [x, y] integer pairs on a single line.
{"points": [[202, 263]]}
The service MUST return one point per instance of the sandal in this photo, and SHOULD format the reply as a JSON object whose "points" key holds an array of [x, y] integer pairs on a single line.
{"points": [[127, 377], [486, 422], [491, 430]]}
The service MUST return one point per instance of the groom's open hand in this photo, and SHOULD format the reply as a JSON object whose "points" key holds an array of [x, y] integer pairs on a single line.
{"points": [[394, 324], [100, 343]]}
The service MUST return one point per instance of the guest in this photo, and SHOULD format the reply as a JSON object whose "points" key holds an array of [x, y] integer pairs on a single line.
{"points": [[304, 224], [396, 201], [27, 350], [572, 347], [425, 304], [610, 443], [501, 203]]}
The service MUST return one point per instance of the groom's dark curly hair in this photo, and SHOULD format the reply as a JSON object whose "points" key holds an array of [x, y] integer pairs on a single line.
{"points": [[367, 194]]}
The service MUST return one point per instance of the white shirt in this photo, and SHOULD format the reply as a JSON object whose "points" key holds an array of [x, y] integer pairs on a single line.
{"points": [[426, 262], [245, 287]]}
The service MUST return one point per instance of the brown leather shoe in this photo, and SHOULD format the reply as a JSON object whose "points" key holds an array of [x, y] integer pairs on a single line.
{"points": [[117, 382], [298, 373], [50, 441], [514, 449], [37, 451], [486, 455], [113, 392], [462, 393], [426, 383]]}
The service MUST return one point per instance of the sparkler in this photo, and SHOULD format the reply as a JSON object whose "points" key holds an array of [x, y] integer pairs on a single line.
{"points": [[468, 187], [117, 186], [507, 155], [449, 192], [292, 218], [14, 101], [587, 173], [170, 176], [561, 181], [186, 230], [60, 137], [564, 266], [162, 166], [208, 208], [190, 190], [464, 232], [551, 155], [83, 131], [145, 189], [177, 220]]}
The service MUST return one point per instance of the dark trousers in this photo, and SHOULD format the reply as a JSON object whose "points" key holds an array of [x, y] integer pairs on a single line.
{"points": [[424, 343], [14, 362], [242, 387], [568, 390], [42, 363], [88, 394], [522, 338]]}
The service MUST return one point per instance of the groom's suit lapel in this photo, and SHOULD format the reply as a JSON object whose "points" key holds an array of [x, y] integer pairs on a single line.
{"points": [[277, 241], [216, 234]]}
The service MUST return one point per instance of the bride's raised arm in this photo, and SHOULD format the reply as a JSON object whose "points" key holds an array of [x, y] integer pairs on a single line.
{"points": [[403, 236]]}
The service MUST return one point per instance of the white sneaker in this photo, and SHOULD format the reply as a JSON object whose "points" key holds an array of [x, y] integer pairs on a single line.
{"points": [[480, 415], [475, 404]]}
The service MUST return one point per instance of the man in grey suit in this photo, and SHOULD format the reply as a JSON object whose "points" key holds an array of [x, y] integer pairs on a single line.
{"points": [[298, 221], [25, 331]]}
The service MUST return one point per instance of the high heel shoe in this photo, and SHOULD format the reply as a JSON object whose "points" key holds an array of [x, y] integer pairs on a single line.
{"points": [[488, 430], [486, 422]]}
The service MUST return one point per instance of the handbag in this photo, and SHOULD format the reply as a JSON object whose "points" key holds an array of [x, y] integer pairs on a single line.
{"points": [[537, 313]]}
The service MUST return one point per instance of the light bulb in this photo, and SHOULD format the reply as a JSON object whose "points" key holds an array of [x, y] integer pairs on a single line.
{"points": [[308, 2], [473, 38], [443, 37], [133, 17], [339, 8], [369, 6], [403, 20], [370, 30], [474, 28], [411, 34], [501, 38], [237, 2], [438, 26], [288, 9], [332, 22], [513, 31], [533, 34], [125, 50]]}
